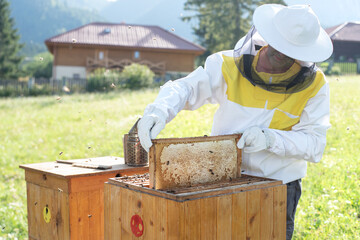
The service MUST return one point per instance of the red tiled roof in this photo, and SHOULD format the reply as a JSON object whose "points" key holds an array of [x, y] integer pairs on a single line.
{"points": [[349, 31], [124, 35]]}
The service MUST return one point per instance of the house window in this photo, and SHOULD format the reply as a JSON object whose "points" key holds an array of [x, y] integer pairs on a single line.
{"points": [[76, 76], [136, 54], [101, 55]]}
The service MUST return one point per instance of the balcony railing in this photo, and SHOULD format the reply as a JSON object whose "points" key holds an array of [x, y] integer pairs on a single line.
{"points": [[92, 63]]}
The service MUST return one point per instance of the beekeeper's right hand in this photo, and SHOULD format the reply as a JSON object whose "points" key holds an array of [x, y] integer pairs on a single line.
{"points": [[149, 126]]}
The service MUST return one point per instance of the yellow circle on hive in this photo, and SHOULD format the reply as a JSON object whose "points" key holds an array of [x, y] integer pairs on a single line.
{"points": [[47, 214]]}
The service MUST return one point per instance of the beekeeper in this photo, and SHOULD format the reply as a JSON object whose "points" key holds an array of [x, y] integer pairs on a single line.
{"points": [[267, 88]]}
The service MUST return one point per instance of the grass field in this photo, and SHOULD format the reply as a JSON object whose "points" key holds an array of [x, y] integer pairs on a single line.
{"points": [[38, 129]]}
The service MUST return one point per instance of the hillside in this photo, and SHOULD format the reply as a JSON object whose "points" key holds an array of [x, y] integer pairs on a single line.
{"points": [[88, 4], [38, 20], [164, 13]]}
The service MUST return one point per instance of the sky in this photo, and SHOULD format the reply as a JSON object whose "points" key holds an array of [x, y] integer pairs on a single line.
{"points": [[332, 12]]}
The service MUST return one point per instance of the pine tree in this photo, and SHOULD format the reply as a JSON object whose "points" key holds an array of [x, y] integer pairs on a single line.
{"points": [[9, 44], [221, 23]]}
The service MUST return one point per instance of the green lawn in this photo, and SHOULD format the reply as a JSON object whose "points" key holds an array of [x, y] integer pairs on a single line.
{"points": [[38, 129]]}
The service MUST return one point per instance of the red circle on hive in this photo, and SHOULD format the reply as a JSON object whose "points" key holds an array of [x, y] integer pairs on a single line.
{"points": [[137, 226]]}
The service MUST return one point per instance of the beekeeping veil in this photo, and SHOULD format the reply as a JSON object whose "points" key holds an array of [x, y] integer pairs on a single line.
{"points": [[244, 53], [293, 31]]}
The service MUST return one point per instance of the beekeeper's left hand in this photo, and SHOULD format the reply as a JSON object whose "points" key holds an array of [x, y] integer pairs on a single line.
{"points": [[255, 139]]}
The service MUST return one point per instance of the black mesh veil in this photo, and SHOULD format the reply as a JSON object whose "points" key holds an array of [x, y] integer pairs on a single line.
{"points": [[244, 53]]}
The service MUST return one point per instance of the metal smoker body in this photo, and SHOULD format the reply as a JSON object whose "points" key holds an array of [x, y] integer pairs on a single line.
{"points": [[135, 154]]}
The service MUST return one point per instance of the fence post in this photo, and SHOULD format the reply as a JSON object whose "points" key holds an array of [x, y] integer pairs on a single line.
{"points": [[358, 65], [31, 82], [51, 84]]}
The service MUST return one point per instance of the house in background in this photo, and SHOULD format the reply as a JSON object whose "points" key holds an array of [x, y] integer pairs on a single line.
{"points": [[113, 46], [346, 41]]}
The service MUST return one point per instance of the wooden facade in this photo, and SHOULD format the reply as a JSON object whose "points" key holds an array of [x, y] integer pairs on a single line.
{"points": [[158, 61], [346, 41], [346, 51]]}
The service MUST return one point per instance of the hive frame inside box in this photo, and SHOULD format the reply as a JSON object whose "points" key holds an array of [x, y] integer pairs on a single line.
{"points": [[158, 146]]}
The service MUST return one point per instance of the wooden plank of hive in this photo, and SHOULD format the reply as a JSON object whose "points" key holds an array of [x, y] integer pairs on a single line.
{"points": [[84, 211], [238, 230], [172, 217], [34, 210], [136, 209], [224, 205], [108, 216], [192, 219], [253, 214], [280, 212], [116, 212], [74, 215], [112, 212], [176, 162], [125, 215], [148, 216], [96, 209], [208, 227], [62, 217], [160, 216], [47, 200], [266, 221]]}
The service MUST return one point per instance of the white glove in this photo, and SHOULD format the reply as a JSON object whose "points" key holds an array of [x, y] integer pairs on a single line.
{"points": [[149, 126], [255, 139]]}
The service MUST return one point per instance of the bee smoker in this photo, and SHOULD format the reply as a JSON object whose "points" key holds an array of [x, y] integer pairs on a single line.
{"points": [[135, 154]]}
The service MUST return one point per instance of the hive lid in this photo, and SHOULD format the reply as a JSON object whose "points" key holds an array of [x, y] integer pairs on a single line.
{"points": [[67, 170]]}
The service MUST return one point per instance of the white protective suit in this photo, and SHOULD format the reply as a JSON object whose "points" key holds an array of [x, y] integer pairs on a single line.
{"points": [[298, 120]]}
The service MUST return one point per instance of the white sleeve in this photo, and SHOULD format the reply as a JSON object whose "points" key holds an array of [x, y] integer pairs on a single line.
{"points": [[307, 139], [204, 85]]}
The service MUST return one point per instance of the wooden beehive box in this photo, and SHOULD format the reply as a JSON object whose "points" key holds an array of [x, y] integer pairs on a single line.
{"points": [[244, 208], [183, 162], [66, 202]]}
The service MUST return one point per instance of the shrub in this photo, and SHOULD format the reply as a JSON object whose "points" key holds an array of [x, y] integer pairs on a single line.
{"points": [[22, 90], [335, 70], [40, 66], [37, 90], [339, 68], [7, 92], [102, 80], [324, 66], [136, 76]]}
